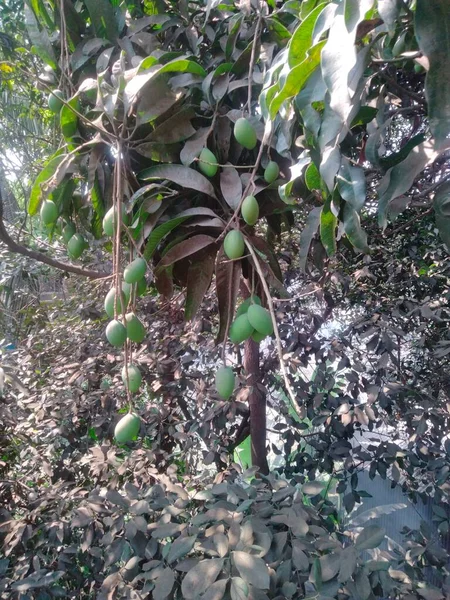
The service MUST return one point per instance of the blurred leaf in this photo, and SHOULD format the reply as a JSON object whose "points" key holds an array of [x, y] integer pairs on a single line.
{"points": [[228, 274], [238, 589], [328, 223], [39, 37], [400, 178], [441, 205], [370, 537], [353, 229], [103, 19], [47, 173], [164, 584], [432, 26], [180, 547], [329, 565], [216, 591], [199, 277], [351, 183]]}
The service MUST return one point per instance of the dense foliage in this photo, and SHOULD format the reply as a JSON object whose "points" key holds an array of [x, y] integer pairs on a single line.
{"points": [[292, 155]]}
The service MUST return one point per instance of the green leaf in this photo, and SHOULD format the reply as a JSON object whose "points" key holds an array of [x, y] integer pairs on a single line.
{"points": [[216, 591], [308, 232], [252, 569], [351, 184], [370, 537], [99, 208], [353, 229], [180, 547], [339, 55], [328, 222], [389, 11], [184, 249], [364, 116], [387, 162], [176, 128], [164, 584], [199, 277], [432, 26], [158, 234], [47, 173], [68, 119], [302, 37], [313, 180], [39, 38], [238, 589], [181, 175], [103, 19], [442, 212], [297, 78], [198, 579], [329, 565], [400, 178]]}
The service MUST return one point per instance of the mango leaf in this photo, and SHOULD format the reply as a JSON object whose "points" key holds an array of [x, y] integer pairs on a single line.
{"points": [[442, 212], [396, 157], [362, 584], [297, 78], [389, 11], [370, 537], [99, 208], [47, 173], [199, 278], [68, 119], [432, 27], [183, 176], [312, 178], [39, 38], [176, 128], [328, 222], [400, 178], [238, 589], [348, 564], [339, 54], [178, 65], [103, 18], [194, 146], [228, 274], [353, 229], [252, 569], [180, 547], [308, 232], [198, 579], [164, 584], [302, 38], [216, 591], [351, 184], [330, 565], [231, 186], [185, 248]]}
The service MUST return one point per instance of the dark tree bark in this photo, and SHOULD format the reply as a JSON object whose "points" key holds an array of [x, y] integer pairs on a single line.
{"points": [[257, 406]]}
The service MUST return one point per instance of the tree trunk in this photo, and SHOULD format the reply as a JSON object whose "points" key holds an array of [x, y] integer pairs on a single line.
{"points": [[257, 406]]}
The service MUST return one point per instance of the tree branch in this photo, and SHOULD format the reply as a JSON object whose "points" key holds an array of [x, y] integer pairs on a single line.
{"points": [[13, 246]]}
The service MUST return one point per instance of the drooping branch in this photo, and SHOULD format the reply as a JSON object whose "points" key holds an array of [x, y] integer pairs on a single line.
{"points": [[13, 246]]}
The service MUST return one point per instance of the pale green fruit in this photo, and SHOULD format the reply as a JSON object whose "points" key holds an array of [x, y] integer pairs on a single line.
{"points": [[260, 319], [135, 330], [109, 303], [234, 244], [116, 333], [127, 429], [243, 308], [245, 133], [240, 329], [207, 163], [135, 270], [76, 246], [271, 172], [258, 337], [134, 378], [225, 382], [250, 210], [54, 101], [110, 218], [49, 212]]}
